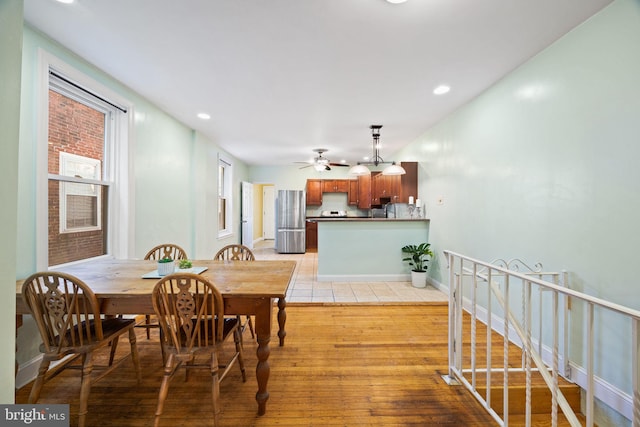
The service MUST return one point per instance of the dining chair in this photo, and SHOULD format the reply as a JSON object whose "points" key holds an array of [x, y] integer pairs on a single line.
{"points": [[190, 310], [237, 252], [67, 314], [165, 250]]}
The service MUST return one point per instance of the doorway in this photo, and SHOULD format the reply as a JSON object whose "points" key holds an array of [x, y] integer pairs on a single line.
{"points": [[268, 212]]}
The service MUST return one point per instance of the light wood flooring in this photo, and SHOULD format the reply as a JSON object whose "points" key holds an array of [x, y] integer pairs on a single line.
{"points": [[341, 365], [305, 287]]}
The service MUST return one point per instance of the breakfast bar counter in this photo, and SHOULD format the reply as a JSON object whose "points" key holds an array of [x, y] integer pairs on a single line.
{"points": [[356, 249]]}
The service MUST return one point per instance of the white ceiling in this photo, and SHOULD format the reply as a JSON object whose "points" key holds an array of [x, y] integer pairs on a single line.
{"points": [[281, 77]]}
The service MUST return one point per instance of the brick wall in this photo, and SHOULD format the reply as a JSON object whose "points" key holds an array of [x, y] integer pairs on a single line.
{"points": [[77, 129]]}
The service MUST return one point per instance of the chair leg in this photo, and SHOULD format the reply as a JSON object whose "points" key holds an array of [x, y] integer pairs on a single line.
{"points": [[164, 355], [169, 370], [237, 335], [240, 327], [147, 322], [250, 323], [40, 379], [135, 358], [215, 387], [114, 346], [85, 388]]}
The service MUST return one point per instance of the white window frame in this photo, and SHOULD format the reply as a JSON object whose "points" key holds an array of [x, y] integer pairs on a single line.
{"points": [[91, 173], [121, 207], [225, 190]]}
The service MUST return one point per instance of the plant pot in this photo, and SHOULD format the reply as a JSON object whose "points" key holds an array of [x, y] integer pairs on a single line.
{"points": [[419, 279], [165, 268]]}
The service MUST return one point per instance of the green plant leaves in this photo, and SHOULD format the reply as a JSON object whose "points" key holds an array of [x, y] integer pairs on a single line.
{"points": [[419, 256]]}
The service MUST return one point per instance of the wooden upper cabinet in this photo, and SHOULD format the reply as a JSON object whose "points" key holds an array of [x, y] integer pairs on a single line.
{"points": [[314, 192], [385, 188], [352, 195], [335, 185], [364, 192], [409, 182]]}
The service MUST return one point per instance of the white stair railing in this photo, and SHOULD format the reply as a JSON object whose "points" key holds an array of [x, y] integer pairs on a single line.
{"points": [[476, 286]]}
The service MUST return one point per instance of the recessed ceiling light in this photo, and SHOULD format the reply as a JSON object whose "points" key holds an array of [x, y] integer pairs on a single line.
{"points": [[441, 90], [396, 1], [65, 1], [204, 116]]}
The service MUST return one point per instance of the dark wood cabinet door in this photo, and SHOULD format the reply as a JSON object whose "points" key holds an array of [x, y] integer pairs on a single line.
{"points": [[335, 185], [314, 192], [409, 182], [364, 192], [352, 194], [311, 235], [341, 185]]}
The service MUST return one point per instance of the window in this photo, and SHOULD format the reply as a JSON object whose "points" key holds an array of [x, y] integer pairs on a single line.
{"points": [[84, 206], [224, 197], [80, 203]]}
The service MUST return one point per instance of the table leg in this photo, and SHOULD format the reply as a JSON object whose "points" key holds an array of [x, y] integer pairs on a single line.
{"points": [[282, 319], [263, 332]]}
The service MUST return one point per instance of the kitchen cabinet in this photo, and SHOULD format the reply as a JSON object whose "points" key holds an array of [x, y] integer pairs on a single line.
{"points": [[390, 188], [314, 192], [335, 185], [384, 188], [311, 236], [408, 182], [364, 192], [352, 195]]}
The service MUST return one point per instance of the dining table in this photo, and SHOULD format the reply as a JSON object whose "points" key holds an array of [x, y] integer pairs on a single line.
{"points": [[123, 287]]}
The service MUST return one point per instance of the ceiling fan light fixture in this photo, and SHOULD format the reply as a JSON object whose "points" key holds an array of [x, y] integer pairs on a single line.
{"points": [[320, 167], [359, 170], [394, 170]]}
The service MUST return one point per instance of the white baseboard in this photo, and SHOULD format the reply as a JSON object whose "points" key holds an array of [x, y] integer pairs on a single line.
{"points": [[28, 371], [612, 396]]}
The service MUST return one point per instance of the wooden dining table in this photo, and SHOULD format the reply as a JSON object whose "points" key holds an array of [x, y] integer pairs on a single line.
{"points": [[248, 288]]}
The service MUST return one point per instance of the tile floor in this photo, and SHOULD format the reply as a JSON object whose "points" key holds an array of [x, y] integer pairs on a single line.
{"points": [[306, 288]]}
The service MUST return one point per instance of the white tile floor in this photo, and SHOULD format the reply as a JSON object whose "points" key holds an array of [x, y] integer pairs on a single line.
{"points": [[306, 288]]}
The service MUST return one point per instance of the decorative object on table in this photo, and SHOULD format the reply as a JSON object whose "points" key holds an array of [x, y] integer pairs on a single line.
{"points": [[418, 211], [411, 207], [418, 256], [184, 264], [166, 266]]}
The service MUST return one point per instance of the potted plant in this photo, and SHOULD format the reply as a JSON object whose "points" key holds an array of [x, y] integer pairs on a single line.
{"points": [[418, 256], [166, 266], [184, 264]]}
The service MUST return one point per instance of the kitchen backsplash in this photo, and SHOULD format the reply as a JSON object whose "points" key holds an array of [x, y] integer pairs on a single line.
{"points": [[336, 202]]}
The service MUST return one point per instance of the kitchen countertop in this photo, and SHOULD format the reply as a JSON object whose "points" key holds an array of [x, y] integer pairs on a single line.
{"points": [[359, 218]]}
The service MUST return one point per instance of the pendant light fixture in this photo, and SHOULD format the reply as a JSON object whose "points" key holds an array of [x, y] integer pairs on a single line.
{"points": [[361, 169]]}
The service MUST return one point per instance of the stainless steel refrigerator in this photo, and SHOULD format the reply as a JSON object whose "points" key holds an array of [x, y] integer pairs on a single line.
{"points": [[290, 222]]}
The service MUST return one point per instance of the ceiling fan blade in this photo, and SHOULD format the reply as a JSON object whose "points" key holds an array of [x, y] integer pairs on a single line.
{"points": [[339, 164]]}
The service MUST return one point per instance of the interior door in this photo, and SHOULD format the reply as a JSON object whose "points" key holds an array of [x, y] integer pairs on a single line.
{"points": [[247, 214], [268, 212]]}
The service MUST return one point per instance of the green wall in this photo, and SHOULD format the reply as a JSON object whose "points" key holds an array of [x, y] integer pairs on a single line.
{"points": [[10, 69], [543, 167], [173, 176]]}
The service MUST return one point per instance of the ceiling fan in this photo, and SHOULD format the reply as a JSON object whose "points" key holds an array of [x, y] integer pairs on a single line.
{"points": [[321, 163]]}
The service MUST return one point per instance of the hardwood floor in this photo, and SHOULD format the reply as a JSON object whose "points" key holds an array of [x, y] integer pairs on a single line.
{"points": [[342, 365]]}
